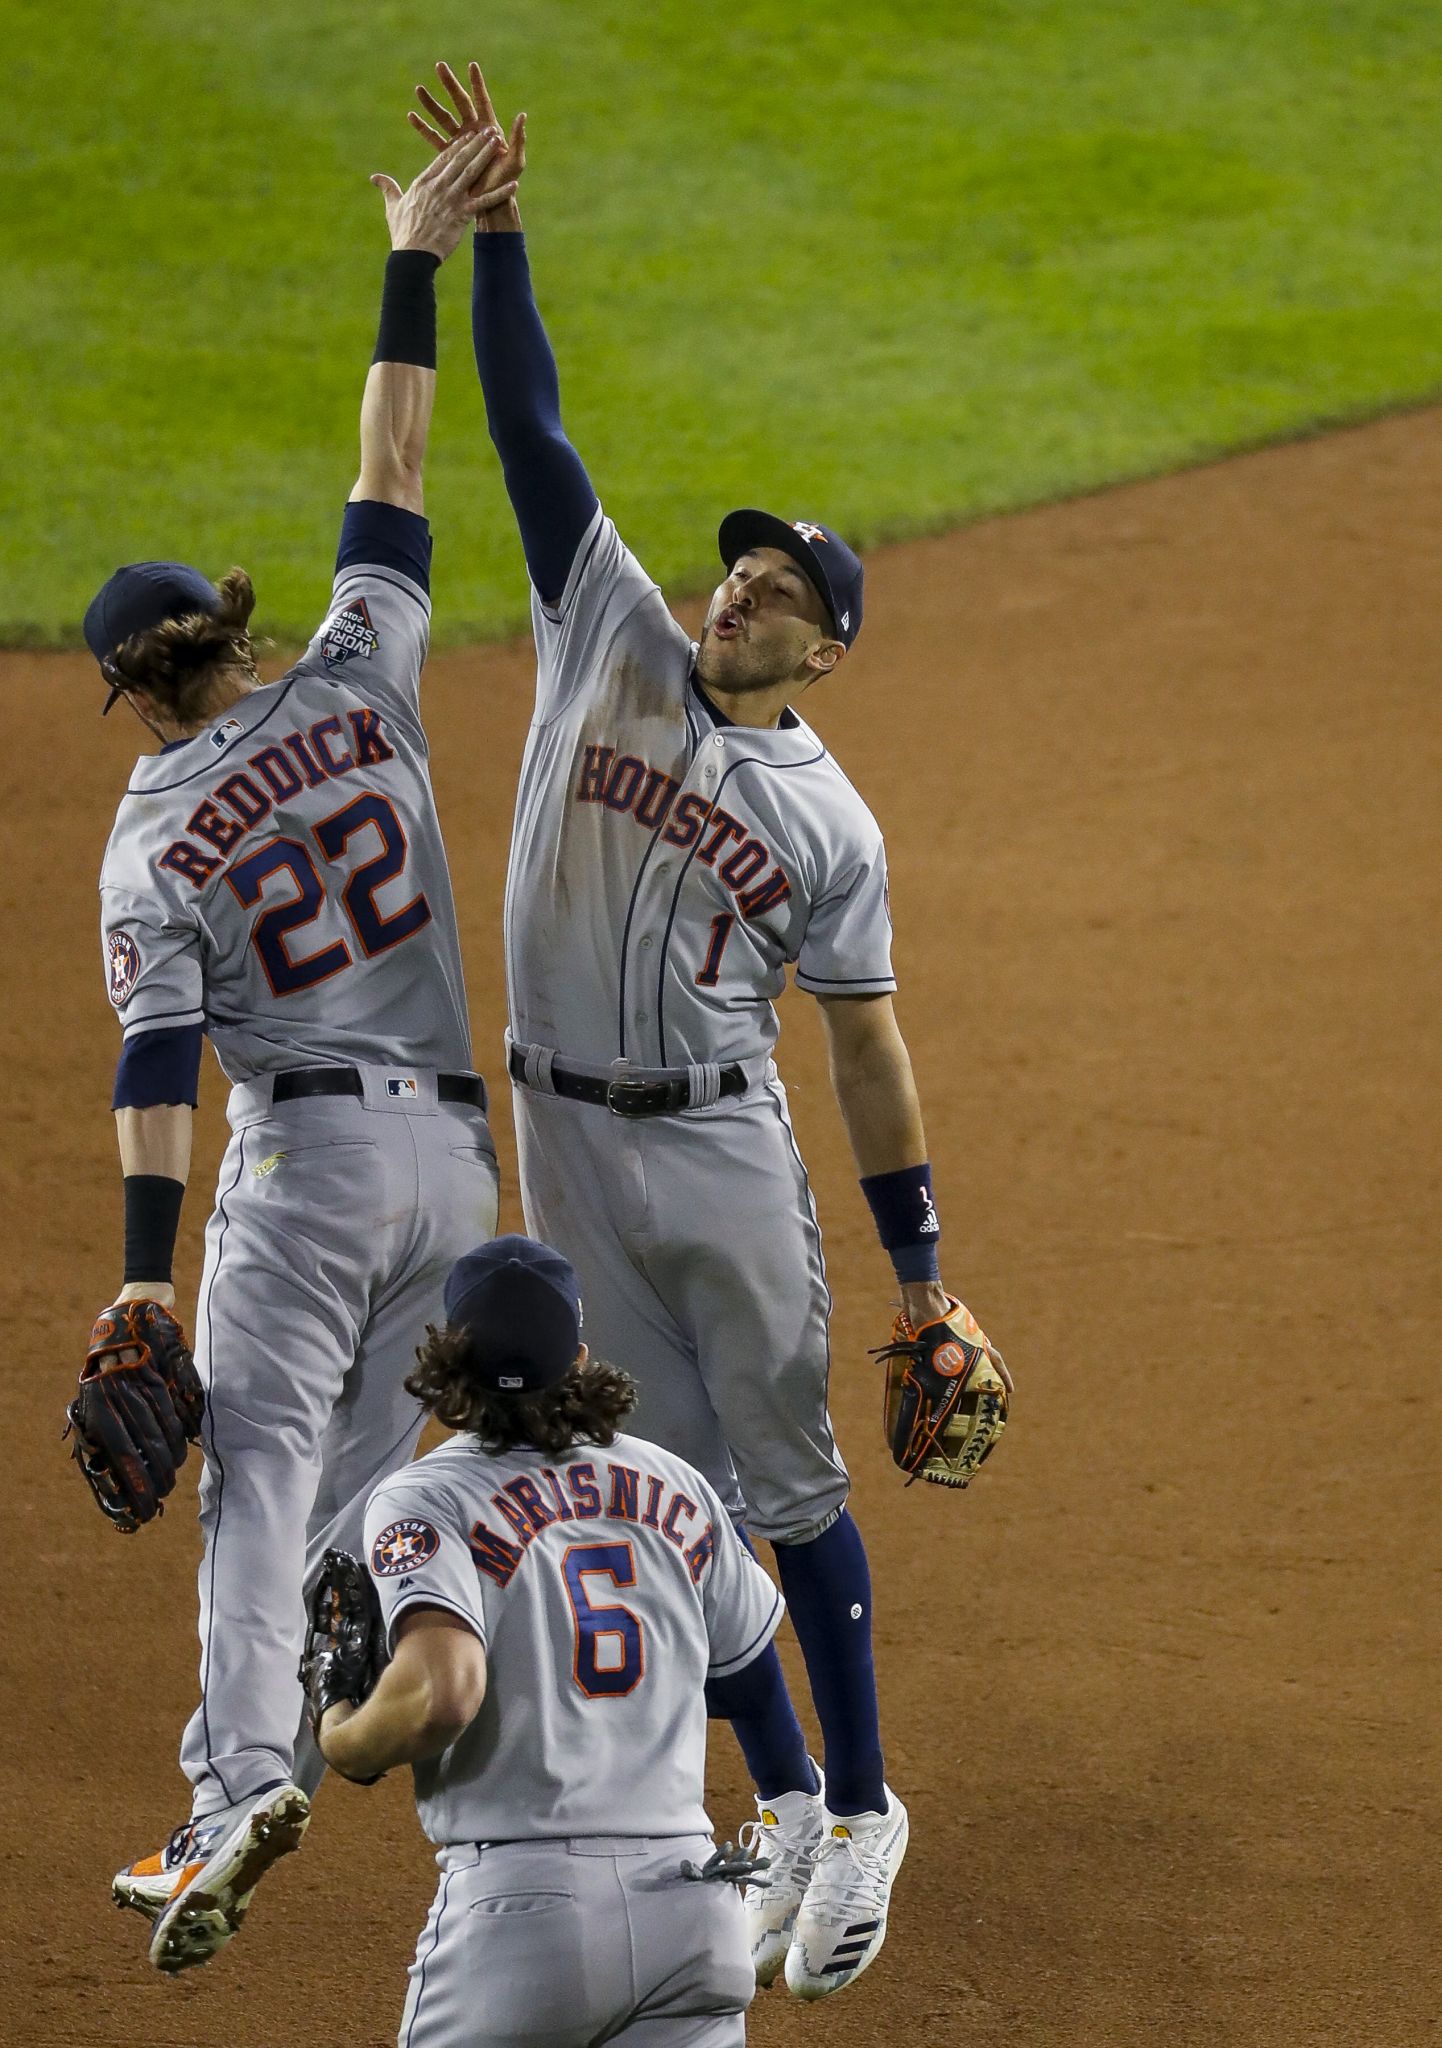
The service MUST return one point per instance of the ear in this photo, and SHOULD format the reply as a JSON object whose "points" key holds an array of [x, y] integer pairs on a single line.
{"points": [[825, 656], [583, 1358]]}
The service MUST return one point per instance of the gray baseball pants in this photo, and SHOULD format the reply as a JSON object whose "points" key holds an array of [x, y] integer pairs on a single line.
{"points": [[335, 1224], [696, 1244], [563, 1944]]}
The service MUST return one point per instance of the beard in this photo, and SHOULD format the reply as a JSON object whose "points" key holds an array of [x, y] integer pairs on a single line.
{"points": [[740, 666]]}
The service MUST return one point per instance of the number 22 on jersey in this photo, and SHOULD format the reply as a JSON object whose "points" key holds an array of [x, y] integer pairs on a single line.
{"points": [[374, 933], [610, 1659]]}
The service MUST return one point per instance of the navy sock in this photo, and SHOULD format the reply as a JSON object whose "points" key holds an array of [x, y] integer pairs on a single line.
{"points": [[756, 1703], [827, 1585]]}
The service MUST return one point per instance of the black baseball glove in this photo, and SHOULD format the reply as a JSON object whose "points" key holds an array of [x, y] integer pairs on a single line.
{"points": [[344, 1651], [946, 1398], [137, 1412]]}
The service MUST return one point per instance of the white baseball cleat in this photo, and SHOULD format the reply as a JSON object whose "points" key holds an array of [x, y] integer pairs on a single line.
{"points": [[786, 1831], [151, 1882], [842, 1922], [209, 1897]]}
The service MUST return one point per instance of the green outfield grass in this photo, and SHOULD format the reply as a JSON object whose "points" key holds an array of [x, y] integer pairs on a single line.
{"points": [[887, 264]]}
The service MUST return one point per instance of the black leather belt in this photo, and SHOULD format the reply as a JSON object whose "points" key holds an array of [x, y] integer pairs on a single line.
{"points": [[297, 1082], [638, 1097]]}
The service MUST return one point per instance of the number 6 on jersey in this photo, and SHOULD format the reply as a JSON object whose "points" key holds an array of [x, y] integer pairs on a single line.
{"points": [[610, 1643]]}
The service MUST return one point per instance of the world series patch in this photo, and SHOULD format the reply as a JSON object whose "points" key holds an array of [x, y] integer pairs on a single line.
{"points": [[122, 957], [348, 634], [403, 1547]]}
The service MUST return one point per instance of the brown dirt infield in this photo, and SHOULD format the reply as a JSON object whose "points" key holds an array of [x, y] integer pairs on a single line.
{"points": [[1159, 772]]}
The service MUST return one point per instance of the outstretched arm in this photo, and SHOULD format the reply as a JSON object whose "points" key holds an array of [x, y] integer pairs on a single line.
{"points": [[546, 481], [426, 225]]}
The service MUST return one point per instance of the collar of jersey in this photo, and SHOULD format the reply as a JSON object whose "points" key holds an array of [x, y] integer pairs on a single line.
{"points": [[789, 722], [154, 772]]}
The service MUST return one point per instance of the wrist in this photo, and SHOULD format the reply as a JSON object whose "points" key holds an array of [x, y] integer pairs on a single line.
{"points": [[907, 1222], [925, 1301], [152, 1218], [159, 1291], [407, 332]]}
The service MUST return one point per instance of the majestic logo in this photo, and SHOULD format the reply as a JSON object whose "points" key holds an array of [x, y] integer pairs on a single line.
{"points": [[347, 634], [398, 1085], [403, 1547], [808, 531], [221, 738], [122, 958]]}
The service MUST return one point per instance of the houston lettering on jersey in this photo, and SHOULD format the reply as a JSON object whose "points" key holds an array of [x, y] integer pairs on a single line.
{"points": [[296, 760], [579, 1494], [627, 784]]}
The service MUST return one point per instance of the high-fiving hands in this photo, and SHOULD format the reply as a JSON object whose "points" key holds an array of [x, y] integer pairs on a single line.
{"points": [[471, 113], [458, 189]]}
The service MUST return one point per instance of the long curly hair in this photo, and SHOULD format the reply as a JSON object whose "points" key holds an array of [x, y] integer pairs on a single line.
{"points": [[587, 1407], [175, 662]]}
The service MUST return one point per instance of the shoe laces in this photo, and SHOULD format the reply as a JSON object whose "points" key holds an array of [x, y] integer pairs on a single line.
{"points": [[179, 1842], [790, 1856], [846, 1874]]}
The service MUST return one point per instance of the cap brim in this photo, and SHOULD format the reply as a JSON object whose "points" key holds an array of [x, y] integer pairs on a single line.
{"points": [[754, 529]]}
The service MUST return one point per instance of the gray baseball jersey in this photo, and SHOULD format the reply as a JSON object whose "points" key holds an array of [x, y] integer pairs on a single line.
{"points": [[281, 878], [666, 868], [606, 1587]]}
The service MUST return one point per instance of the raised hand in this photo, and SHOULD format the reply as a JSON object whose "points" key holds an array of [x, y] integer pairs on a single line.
{"points": [[472, 113], [449, 195]]}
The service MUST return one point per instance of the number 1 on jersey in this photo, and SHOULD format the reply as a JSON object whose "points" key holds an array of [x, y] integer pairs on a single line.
{"points": [[610, 1643], [721, 925]]}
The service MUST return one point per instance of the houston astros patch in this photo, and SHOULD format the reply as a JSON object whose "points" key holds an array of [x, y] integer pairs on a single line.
{"points": [[122, 960], [403, 1547], [348, 634]]}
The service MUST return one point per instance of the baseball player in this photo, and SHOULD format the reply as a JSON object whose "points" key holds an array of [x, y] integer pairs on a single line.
{"points": [[275, 878], [555, 1595], [681, 838]]}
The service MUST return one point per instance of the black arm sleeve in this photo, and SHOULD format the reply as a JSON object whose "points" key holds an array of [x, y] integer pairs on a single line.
{"points": [[159, 1067], [546, 480]]}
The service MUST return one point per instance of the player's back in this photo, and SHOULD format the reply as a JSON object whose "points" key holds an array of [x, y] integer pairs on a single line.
{"points": [[280, 877], [606, 1585]]}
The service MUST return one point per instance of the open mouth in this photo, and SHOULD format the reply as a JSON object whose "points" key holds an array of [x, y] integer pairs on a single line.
{"points": [[728, 624]]}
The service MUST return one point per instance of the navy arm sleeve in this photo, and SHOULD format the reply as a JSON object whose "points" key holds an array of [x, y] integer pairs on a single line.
{"points": [[387, 535], [159, 1067], [550, 492]]}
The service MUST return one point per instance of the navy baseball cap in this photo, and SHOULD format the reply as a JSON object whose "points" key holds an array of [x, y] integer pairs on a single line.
{"points": [[831, 565], [137, 597], [519, 1304]]}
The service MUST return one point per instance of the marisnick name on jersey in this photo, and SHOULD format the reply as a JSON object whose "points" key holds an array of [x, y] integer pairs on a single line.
{"points": [[579, 1494], [303, 759], [626, 784]]}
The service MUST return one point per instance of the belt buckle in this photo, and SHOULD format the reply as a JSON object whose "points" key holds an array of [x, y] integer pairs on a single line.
{"points": [[638, 1098]]}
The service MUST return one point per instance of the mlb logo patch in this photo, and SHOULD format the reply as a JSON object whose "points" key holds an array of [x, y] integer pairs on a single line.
{"points": [[221, 738], [401, 1085], [122, 966], [349, 635]]}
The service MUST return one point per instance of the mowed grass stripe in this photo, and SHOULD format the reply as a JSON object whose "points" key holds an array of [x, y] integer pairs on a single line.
{"points": [[894, 267]]}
